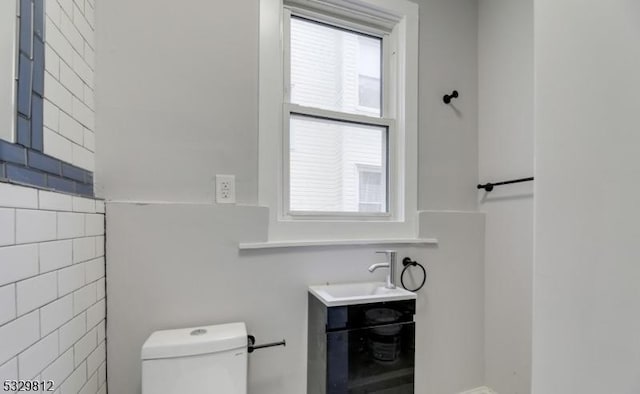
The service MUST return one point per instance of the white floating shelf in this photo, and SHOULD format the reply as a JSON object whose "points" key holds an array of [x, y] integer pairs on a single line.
{"points": [[341, 242]]}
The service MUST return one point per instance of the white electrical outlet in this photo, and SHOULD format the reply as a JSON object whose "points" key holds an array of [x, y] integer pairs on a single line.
{"points": [[225, 189]]}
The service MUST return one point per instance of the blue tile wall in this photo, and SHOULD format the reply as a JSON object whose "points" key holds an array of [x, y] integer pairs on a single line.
{"points": [[36, 122], [38, 19], [23, 131], [38, 66], [44, 163], [26, 27], [13, 153], [73, 173], [66, 185], [26, 175], [24, 162], [25, 87], [84, 189]]}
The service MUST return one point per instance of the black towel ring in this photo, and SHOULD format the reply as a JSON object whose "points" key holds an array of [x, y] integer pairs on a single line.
{"points": [[407, 262]]}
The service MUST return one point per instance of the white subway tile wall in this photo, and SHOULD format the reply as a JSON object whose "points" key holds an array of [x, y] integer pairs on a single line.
{"points": [[69, 82], [7, 303], [55, 201], [52, 289]]}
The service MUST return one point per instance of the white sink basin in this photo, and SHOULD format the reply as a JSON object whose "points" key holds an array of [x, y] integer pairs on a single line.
{"points": [[359, 293]]}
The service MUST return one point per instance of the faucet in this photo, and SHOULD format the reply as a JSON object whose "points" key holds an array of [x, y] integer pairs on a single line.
{"points": [[391, 264]]}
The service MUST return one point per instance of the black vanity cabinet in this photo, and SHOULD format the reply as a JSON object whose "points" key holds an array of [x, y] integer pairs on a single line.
{"points": [[364, 348]]}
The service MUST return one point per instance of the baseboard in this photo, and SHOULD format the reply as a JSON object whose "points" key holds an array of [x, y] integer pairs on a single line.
{"points": [[480, 390]]}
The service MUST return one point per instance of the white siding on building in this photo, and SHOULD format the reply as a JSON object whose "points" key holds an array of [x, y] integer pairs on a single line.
{"points": [[326, 156]]}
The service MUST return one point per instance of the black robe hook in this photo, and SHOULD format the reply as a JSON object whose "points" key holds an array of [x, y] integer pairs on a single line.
{"points": [[447, 97]]}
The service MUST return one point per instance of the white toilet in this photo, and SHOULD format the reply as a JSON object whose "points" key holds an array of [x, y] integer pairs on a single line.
{"points": [[199, 360]]}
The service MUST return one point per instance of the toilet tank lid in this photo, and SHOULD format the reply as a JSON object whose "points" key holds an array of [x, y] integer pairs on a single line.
{"points": [[194, 341]]}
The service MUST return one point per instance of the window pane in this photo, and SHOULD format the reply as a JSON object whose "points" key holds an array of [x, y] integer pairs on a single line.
{"points": [[335, 69], [371, 190], [369, 93], [337, 166]]}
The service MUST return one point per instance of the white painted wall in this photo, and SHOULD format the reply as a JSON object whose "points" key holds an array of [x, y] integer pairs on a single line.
{"points": [[586, 293], [177, 104], [177, 92], [448, 134], [505, 49], [178, 265], [184, 91]]}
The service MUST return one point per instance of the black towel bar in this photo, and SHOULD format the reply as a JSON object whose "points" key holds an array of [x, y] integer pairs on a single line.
{"points": [[489, 186]]}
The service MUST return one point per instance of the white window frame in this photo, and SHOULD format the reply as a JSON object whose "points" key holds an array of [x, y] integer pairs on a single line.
{"points": [[397, 22]]}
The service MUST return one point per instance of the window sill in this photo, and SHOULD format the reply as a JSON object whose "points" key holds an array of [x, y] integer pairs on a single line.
{"points": [[342, 242]]}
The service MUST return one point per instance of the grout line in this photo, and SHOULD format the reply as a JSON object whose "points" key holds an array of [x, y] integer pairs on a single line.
{"points": [[15, 290], [34, 344], [38, 252], [39, 321], [58, 385], [55, 210], [15, 227]]}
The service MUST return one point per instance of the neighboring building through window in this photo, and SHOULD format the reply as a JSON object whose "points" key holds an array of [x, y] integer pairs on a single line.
{"points": [[371, 193], [335, 116], [368, 91]]}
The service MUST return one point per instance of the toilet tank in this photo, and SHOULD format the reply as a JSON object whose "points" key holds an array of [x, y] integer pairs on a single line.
{"points": [[199, 360]]}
